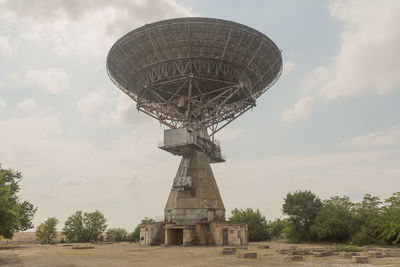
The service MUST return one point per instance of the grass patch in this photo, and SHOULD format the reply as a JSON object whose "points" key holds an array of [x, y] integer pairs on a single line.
{"points": [[343, 248]]}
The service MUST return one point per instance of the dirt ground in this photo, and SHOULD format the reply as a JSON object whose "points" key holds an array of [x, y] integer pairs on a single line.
{"points": [[129, 254]]}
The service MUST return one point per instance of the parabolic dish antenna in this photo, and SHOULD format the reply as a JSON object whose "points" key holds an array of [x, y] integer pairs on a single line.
{"points": [[194, 75], [200, 70]]}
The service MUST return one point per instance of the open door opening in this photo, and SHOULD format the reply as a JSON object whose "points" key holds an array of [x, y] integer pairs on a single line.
{"points": [[174, 237], [225, 237]]}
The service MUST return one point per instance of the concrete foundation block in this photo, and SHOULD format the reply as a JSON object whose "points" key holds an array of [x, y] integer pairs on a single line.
{"points": [[283, 251], [349, 255], [306, 251], [322, 254], [228, 252], [375, 254], [360, 259], [295, 252], [391, 253], [294, 257], [251, 255]]}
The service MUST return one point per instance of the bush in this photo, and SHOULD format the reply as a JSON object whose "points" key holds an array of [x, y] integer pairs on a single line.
{"points": [[116, 234], [364, 237]]}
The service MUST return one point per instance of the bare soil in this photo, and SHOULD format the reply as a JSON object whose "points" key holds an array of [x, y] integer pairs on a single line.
{"points": [[129, 254]]}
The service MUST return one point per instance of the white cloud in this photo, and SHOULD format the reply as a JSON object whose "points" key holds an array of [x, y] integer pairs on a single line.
{"points": [[5, 46], [30, 128], [2, 104], [92, 104], [388, 138], [124, 112], [72, 181], [366, 61], [110, 109], [53, 80], [228, 134], [287, 67], [300, 110], [27, 105], [83, 25]]}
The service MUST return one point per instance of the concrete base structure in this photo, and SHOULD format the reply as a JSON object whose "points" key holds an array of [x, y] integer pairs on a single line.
{"points": [[194, 213], [214, 233]]}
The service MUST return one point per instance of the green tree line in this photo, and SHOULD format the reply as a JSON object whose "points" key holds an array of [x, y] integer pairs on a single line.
{"points": [[86, 227], [337, 219], [308, 218]]}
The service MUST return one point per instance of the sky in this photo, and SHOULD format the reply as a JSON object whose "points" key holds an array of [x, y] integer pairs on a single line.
{"points": [[331, 124]]}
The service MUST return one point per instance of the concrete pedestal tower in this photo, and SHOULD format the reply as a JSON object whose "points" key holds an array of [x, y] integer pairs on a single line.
{"points": [[194, 194]]}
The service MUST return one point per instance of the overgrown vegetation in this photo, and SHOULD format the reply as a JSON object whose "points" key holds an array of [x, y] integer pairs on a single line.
{"points": [[15, 214]]}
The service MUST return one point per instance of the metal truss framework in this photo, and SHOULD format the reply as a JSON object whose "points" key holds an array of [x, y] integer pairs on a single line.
{"points": [[194, 71]]}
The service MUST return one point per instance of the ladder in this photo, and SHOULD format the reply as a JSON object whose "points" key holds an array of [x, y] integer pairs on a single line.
{"points": [[157, 237], [207, 233]]}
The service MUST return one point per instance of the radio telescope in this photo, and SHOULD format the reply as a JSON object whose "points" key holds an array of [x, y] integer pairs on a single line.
{"points": [[195, 76]]}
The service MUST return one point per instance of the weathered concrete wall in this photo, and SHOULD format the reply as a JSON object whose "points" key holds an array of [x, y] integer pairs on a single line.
{"points": [[148, 232], [237, 233], [188, 236]]}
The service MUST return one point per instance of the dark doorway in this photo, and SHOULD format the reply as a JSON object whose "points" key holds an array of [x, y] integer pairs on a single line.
{"points": [[174, 237], [225, 237]]}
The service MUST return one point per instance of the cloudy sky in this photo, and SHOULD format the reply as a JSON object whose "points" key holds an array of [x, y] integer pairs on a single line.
{"points": [[331, 124]]}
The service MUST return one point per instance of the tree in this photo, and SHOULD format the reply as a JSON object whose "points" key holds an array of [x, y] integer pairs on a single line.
{"points": [[94, 225], [84, 227], [302, 208], [135, 235], [257, 224], [73, 227], [15, 214], [116, 234], [334, 221], [47, 231], [364, 214], [387, 223]]}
